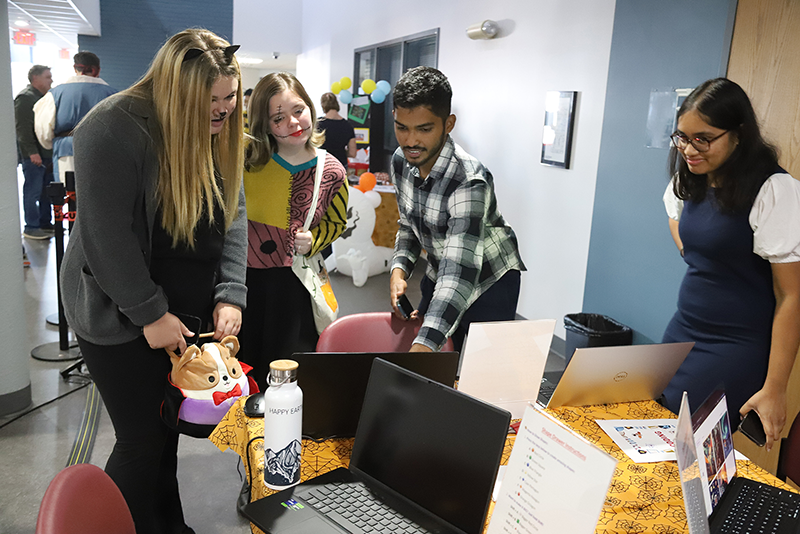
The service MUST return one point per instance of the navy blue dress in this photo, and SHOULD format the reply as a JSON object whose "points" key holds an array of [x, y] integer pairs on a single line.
{"points": [[725, 305]]}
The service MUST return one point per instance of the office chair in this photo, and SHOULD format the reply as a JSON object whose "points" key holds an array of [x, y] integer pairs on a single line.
{"points": [[82, 499], [789, 457], [371, 332]]}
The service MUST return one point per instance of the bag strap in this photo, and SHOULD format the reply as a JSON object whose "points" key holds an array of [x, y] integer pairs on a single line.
{"points": [[321, 154]]}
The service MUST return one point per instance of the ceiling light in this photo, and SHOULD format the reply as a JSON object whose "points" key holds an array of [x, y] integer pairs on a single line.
{"points": [[22, 23], [248, 60]]}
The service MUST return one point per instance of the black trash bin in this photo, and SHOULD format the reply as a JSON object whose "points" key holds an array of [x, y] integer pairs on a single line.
{"points": [[594, 330]]}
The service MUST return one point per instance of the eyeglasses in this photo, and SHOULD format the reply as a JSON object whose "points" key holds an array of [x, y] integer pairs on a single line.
{"points": [[699, 143], [197, 52]]}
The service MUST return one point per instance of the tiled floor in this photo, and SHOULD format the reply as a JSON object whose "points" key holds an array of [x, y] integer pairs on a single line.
{"points": [[36, 446]]}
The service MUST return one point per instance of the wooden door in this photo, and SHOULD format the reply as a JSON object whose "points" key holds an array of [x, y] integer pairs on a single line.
{"points": [[765, 61]]}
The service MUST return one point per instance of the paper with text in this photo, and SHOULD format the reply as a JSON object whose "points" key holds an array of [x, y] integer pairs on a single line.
{"points": [[643, 440]]}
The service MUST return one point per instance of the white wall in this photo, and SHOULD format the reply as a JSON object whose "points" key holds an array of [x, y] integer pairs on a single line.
{"points": [[499, 91]]}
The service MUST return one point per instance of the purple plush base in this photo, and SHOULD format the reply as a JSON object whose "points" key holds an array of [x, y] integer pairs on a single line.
{"points": [[203, 412]]}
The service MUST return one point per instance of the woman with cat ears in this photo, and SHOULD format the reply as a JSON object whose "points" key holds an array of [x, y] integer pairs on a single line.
{"points": [[280, 167], [160, 242]]}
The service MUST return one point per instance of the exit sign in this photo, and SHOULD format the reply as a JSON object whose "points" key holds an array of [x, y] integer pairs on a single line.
{"points": [[25, 38]]}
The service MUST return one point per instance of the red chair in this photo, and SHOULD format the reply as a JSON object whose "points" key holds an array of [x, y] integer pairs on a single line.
{"points": [[371, 332], [789, 456], [82, 499]]}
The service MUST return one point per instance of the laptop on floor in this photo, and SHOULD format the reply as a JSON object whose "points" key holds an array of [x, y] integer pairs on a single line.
{"points": [[627, 373], [334, 385], [716, 499], [424, 451]]}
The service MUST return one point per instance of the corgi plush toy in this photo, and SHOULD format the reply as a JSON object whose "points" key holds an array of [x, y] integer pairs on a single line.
{"points": [[203, 385]]}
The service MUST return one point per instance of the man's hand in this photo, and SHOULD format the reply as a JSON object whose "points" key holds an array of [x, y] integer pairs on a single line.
{"points": [[36, 159], [397, 287], [302, 242], [167, 333], [227, 320], [418, 347]]}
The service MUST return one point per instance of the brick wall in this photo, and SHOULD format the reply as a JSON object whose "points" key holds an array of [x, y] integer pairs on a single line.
{"points": [[134, 30]]}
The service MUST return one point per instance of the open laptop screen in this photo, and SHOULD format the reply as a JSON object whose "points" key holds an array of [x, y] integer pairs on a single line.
{"points": [[451, 471]]}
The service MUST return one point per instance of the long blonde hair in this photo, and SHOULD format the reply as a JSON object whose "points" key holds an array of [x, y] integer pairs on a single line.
{"points": [[262, 142], [190, 158]]}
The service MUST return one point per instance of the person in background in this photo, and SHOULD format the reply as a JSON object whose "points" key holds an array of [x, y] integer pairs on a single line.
{"points": [[281, 163], [37, 162], [60, 110], [245, 108], [340, 138], [162, 232], [735, 217], [448, 208]]}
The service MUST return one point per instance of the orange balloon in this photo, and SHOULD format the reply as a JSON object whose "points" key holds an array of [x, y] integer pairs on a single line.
{"points": [[359, 188], [367, 181]]}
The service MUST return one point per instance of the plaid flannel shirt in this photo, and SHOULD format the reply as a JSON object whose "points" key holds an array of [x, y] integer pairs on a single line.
{"points": [[453, 216]]}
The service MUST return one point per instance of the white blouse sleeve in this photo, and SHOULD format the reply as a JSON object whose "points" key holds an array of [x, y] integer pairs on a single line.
{"points": [[775, 220], [673, 204]]}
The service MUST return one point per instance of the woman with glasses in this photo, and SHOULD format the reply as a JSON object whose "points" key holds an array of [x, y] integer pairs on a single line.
{"points": [[162, 234], [735, 217]]}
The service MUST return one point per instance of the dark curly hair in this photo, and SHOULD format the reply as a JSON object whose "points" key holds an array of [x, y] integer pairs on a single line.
{"points": [[424, 86], [723, 104]]}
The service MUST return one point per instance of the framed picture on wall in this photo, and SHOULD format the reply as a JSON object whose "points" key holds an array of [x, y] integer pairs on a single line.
{"points": [[362, 135], [559, 123]]}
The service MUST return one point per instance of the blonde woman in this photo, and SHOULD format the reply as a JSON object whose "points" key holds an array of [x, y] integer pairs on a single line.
{"points": [[280, 169], [161, 235]]}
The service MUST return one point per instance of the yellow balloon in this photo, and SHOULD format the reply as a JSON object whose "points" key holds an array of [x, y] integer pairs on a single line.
{"points": [[336, 87], [368, 86], [345, 82]]}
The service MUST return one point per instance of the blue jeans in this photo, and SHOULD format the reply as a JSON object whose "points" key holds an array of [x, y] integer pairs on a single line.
{"points": [[35, 202]]}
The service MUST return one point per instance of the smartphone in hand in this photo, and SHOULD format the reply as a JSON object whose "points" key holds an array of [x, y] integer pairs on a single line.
{"points": [[752, 428], [405, 307]]}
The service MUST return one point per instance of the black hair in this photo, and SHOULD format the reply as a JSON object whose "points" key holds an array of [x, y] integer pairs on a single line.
{"points": [[723, 104], [36, 70], [424, 86], [248, 92]]}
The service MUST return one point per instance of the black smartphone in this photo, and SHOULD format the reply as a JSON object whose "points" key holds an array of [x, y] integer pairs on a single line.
{"points": [[752, 428], [404, 306], [194, 324]]}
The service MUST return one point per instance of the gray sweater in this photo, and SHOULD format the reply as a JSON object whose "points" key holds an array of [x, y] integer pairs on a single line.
{"points": [[105, 276]]}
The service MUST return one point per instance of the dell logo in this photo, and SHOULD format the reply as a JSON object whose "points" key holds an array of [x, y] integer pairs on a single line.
{"points": [[619, 377]]}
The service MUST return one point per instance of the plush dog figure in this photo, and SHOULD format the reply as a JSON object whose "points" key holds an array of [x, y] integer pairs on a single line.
{"points": [[203, 385]]}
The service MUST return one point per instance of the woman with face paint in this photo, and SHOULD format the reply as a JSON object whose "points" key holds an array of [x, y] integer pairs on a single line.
{"points": [[280, 168], [162, 234], [735, 218]]}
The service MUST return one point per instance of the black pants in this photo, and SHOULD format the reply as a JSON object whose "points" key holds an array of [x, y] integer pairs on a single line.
{"points": [[144, 462], [278, 321], [498, 303]]}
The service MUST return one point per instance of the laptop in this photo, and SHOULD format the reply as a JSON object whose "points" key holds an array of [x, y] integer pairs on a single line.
{"points": [[334, 385], [716, 499], [425, 457], [627, 373]]}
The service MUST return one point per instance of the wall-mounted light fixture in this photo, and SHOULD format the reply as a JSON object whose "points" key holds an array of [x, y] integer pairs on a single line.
{"points": [[487, 29]]}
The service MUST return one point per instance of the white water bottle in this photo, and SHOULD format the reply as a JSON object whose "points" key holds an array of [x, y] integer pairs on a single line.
{"points": [[283, 424]]}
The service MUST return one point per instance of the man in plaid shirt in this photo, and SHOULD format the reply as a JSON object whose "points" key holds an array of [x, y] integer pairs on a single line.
{"points": [[447, 208]]}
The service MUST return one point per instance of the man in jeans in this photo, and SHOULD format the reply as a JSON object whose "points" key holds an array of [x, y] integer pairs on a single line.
{"points": [[37, 162]]}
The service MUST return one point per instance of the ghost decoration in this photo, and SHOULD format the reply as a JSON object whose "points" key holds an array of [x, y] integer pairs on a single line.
{"points": [[356, 255]]}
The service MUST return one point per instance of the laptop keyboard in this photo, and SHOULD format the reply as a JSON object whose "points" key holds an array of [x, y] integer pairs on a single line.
{"points": [[546, 390], [761, 509], [353, 507]]}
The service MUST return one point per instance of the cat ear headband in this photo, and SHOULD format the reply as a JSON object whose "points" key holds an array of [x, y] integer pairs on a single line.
{"points": [[197, 52]]}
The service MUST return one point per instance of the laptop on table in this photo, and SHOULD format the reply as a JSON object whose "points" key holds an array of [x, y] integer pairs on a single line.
{"points": [[425, 459], [334, 385], [716, 499], [627, 373]]}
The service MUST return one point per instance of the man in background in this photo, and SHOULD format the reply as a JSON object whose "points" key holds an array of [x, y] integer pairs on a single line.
{"points": [[246, 95], [448, 208], [60, 110], [37, 163]]}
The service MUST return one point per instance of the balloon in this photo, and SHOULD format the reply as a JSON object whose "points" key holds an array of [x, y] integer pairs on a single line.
{"points": [[368, 86], [378, 96], [336, 87], [345, 96], [345, 82], [366, 182], [358, 187], [384, 86]]}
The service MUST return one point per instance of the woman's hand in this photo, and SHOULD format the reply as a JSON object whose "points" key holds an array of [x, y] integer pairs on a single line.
{"points": [[167, 333], [227, 320], [302, 242], [770, 405]]}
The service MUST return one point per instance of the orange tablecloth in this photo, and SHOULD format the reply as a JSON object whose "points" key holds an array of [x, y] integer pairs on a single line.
{"points": [[642, 498]]}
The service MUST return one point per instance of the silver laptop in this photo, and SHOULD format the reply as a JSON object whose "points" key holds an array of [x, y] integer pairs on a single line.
{"points": [[605, 375]]}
